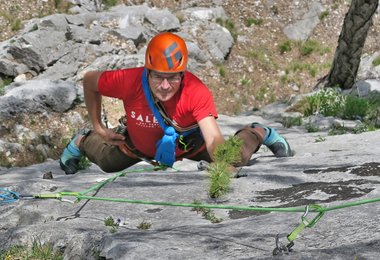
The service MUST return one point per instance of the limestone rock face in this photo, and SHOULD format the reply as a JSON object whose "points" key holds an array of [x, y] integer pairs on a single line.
{"points": [[326, 170]]}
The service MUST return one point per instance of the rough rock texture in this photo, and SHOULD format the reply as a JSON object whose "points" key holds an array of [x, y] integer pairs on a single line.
{"points": [[326, 170]]}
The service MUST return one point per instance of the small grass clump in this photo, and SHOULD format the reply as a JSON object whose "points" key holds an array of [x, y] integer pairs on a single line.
{"points": [[285, 46], [252, 21], [244, 81], [109, 3], [291, 121], [110, 222], [144, 225], [207, 213], [323, 15], [3, 83], [311, 46], [222, 71], [376, 61]]}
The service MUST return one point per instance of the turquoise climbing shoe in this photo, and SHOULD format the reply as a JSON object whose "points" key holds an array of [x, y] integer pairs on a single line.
{"points": [[275, 142], [70, 157]]}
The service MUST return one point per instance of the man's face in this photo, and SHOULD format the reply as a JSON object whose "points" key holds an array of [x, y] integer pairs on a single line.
{"points": [[164, 85]]}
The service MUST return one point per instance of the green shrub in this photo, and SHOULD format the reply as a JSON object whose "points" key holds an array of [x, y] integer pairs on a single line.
{"points": [[355, 107], [327, 102]]}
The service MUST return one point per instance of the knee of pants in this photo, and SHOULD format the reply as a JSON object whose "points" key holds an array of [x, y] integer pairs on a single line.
{"points": [[106, 167]]}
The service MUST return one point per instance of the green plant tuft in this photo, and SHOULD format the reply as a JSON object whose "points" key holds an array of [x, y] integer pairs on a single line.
{"points": [[5, 82], [222, 71], [109, 3], [355, 107], [327, 102], [252, 21], [37, 251], [207, 213], [220, 174], [376, 61], [291, 121], [338, 130], [220, 170], [110, 222], [144, 225], [311, 46], [285, 46], [229, 151], [323, 15], [229, 25]]}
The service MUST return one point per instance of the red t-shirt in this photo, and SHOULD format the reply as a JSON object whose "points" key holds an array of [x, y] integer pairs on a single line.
{"points": [[189, 105]]}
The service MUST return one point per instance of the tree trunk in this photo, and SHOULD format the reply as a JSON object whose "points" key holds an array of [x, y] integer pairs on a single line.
{"points": [[350, 44]]}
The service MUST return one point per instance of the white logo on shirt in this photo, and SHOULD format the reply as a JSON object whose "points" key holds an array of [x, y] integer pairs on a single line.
{"points": [[144, 120]]}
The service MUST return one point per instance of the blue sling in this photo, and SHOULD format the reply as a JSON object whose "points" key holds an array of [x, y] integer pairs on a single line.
{"points": [[166, 146]]}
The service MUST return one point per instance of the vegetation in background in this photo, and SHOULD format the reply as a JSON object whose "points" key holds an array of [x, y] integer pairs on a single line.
{"points": [[331, 102]]}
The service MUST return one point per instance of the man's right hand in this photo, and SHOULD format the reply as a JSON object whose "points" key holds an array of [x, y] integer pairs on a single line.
{"points": [[110, 136]]}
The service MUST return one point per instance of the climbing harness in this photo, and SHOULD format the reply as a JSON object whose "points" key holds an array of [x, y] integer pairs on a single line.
{"points": [[8, 196]]}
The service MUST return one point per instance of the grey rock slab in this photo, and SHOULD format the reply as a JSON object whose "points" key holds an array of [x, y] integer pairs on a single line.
{"points": [[339, 170], [302, 28], [162, 20], [37, 96]]}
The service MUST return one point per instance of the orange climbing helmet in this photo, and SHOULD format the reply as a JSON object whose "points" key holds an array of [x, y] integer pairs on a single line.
{"points": [[167, 53]]}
